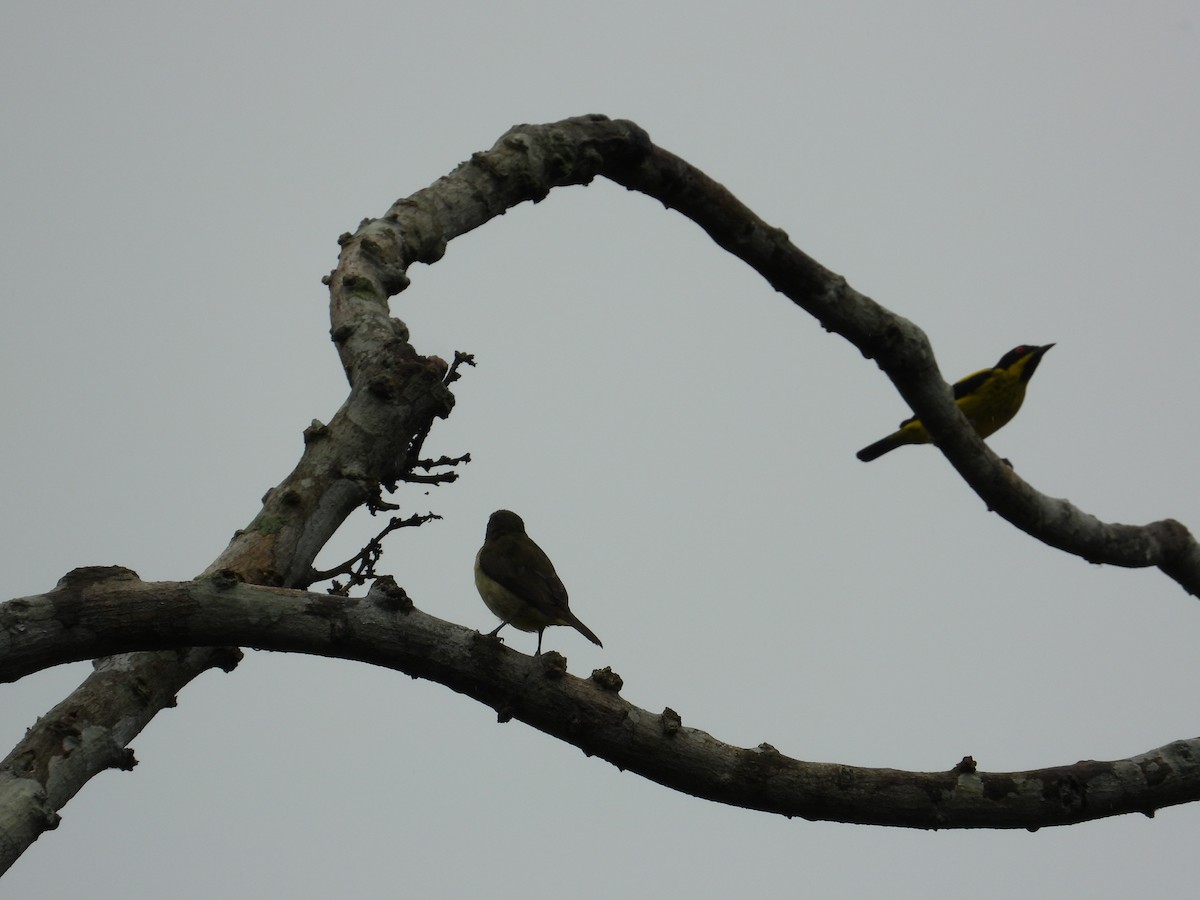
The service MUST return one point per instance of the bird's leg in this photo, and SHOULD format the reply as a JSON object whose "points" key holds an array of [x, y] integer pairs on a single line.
{"points": [[539, 649], [495, 630]]}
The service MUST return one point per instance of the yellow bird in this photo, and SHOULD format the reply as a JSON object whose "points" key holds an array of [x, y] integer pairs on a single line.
{"points": [[988, 398]]}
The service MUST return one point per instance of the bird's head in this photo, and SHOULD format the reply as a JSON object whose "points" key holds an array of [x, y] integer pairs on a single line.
{"points": [[1023, 360], [504, 521]]}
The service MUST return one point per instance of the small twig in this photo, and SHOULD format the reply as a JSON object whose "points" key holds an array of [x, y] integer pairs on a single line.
{"points": [[436, 477], [441, 478], [428, 464], [376, 504], [460, 358], [361, 566]]}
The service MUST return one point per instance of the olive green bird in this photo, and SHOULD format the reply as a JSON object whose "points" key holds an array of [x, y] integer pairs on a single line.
{"points": [[988, 398], [518, 583]]}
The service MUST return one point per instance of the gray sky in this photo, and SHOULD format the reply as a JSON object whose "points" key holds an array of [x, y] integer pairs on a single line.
{"points": [[678, 437]]}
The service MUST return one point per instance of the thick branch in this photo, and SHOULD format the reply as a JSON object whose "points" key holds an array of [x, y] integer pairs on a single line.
{"points": [[83, 617], [903, 352], [530, 160], [87, 733], [396, 394]]}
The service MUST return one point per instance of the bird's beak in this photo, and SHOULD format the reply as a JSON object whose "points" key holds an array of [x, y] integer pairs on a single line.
{"points": [[1034, 359]]}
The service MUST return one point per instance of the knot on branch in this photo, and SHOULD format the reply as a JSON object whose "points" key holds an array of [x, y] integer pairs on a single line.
{"points": [[85, 575]]}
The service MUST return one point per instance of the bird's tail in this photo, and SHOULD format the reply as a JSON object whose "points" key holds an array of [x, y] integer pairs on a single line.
{"points": [[569, 619], [886, 445]]}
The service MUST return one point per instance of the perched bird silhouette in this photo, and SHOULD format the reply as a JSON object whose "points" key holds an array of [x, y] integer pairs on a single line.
{"points": [[988, 398], [518, 583]]}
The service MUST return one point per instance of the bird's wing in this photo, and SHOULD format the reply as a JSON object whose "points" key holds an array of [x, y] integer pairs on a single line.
{"points": [[962, 388], [971, 383], [537, 584]]}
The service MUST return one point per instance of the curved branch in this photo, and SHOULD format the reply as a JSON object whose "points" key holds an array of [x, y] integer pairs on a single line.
{"points": [[530, 160], [87, 733], [91, 612], [396, 394], [903, 352]]}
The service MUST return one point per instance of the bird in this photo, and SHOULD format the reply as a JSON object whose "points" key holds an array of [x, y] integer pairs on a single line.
{"points": [[988, 398], [518, 583]]}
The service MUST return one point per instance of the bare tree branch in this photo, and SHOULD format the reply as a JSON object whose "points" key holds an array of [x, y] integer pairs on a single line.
{"points": [[94, 612], [530, 160], [903, 352], [396, 394]]}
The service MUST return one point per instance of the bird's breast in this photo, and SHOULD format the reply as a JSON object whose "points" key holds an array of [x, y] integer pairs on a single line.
{"points": [[994, 404], [504, 604]]}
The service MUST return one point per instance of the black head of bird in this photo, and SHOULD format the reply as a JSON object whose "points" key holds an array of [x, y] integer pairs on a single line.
{"points": [[988, 398], [518, 583]]}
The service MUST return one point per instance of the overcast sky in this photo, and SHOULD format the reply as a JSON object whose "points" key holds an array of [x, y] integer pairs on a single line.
{"points": [[678, 437]]}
